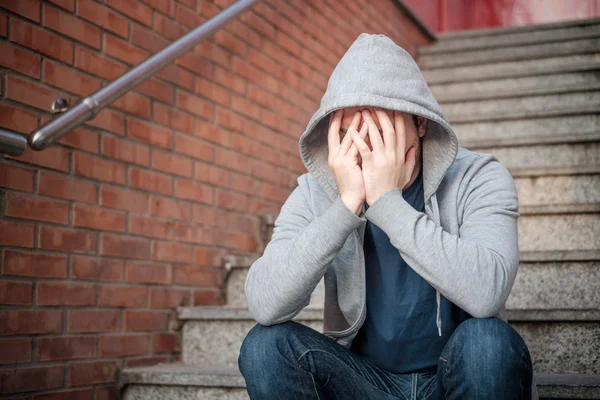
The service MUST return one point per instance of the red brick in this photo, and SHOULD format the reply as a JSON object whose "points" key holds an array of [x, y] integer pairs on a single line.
{"points": [[27, 8], [149, 133], [86, 320], [245, 107], [41, 209], [97, 65], [210, 91], [197, 65], [158, 90], [173, 118], [190, 3], [262, 97], [145, 362], [207, 216], [124, 345], [246, 34], [244, 184], [214, 53], [230, 200], [52, 157], [173, 164], [165, 343], [68, 5], [65, 187], [208, 297], [109, 120], [66, 348], [65, 294], [125, 151], [22, 322], [133, 9], [122, 296], [15, 351], [196, 276], [194, 148], [188, 17], [228, 119], [165, 7], [68, 25], [178, 76], [42, 41], [20, 60], [235, 240], [128, 200], [195, 105], [168, 208], [213, 133], [34, 264], [14, 177], [194, 191], [15, 292], [30, 379], [208, 257], [16, 234], [98, 218], [123, 51], [211, 174], [81, 138], [151, 181], [92, 372], [233, 160], [97, 168], [3, 25], [135, 104], [146, 320], [28, 92], [125, 247], [103, 16], [169, 298], [82, 394], [17, 120], [167, 28], [230, 42], [148, 273], [68, 240], [97, 269], [171, 252], [192, 234], [151, 227], [69, 80]]}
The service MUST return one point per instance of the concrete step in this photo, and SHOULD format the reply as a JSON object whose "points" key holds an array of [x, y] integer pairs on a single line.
{"points": [[559, 232], [180, 381], [545, 155], [214, 335], [560, 341], [515, 87], [556, 191], [511, 53], [491, 38], [518, 107], [556, 285], [571, 127], [514, 69]]}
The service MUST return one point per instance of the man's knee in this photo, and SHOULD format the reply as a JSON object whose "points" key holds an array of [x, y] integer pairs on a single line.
{"points": [[261, 343], [487, 341]]}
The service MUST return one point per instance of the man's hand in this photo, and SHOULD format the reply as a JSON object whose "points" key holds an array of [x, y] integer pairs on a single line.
{"points": [[385, 167]]}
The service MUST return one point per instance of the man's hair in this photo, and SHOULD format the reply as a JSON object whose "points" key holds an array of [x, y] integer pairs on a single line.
{"points": [[415, 120]]}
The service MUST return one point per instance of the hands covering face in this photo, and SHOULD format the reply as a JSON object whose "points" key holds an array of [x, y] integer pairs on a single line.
{"points": [[387, 165]]}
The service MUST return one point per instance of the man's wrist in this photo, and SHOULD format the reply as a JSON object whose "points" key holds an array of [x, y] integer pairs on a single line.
{"points": [[355, 208]]}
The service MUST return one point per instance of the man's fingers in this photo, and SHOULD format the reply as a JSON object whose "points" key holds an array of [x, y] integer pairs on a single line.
{"points": [[333, 136], [387, 126], [374, 135], [360, 144]]}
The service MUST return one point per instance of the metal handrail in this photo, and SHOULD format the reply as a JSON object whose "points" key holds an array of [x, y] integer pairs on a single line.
{"points": [[88, 107]]}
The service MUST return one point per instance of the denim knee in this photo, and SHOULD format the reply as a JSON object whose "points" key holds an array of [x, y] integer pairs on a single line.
{"points": [[488, 342], [260, 344]]}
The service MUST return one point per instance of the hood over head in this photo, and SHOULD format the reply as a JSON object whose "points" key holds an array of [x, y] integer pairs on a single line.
{"points": [[376, 72]]}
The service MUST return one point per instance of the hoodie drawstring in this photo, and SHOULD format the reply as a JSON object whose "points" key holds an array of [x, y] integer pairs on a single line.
{"points": [[438, 319]]}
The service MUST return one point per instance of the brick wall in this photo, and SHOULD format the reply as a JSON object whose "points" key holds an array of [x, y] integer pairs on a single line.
{"points": [[104, 234]]}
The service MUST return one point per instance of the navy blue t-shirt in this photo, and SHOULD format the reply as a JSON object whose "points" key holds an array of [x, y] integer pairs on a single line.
{"points": [[400, 334]]}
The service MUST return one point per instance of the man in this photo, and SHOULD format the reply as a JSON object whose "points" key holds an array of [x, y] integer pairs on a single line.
{"points": [[416, 239]]}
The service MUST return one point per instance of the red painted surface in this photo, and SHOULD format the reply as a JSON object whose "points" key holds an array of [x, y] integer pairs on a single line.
{"points": [[458, 15]]}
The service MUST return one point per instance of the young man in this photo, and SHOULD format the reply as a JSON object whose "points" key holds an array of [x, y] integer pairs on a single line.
{"points": [[416, 239]]}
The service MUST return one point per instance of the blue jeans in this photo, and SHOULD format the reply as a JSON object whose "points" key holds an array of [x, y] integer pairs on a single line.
{"points": [[485, 358]]}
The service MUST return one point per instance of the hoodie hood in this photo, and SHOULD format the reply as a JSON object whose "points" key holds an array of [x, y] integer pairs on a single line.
{"points": [[377, 72]]}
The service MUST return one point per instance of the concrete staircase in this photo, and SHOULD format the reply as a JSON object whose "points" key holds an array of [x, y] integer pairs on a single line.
{"points": [[531, 97]]}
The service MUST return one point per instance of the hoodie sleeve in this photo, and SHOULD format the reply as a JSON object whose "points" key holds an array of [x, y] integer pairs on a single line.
{"points": [[476, 268], [280, 283]]}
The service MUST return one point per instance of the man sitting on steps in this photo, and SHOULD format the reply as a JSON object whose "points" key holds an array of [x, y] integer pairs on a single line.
{"points": [[416, 239]]}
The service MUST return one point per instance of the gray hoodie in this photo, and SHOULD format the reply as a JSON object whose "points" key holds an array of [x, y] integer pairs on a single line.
{"points": [[464, 244]]}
